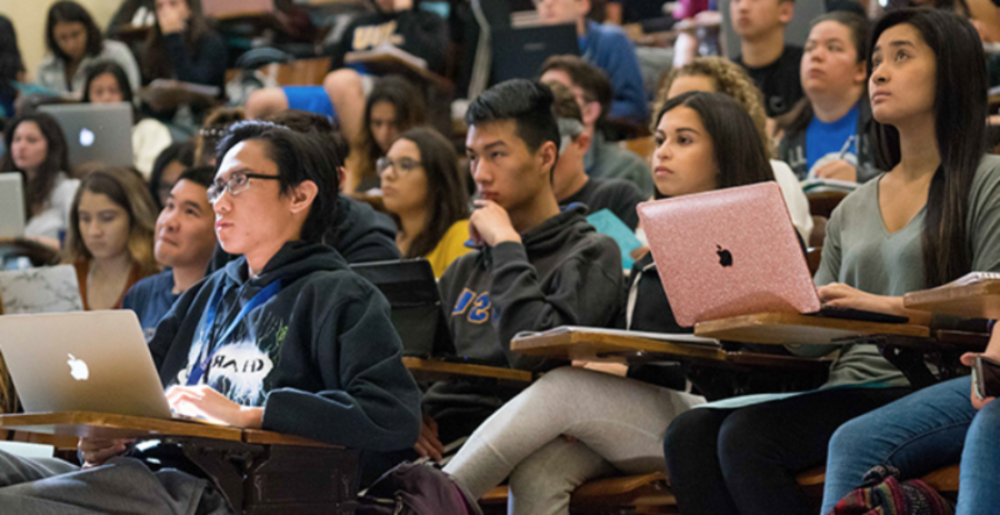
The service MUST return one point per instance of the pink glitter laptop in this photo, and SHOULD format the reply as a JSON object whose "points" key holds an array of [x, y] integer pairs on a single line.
{"points": [[733, 252]]}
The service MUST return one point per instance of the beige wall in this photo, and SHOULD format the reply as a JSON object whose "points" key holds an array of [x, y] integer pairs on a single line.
{"points": [[29, 21]]}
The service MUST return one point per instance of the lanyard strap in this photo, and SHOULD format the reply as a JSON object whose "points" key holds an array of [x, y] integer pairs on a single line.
{"points": [[210, 338]]}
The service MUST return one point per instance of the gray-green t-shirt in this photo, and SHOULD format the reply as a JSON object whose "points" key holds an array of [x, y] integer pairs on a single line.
{"points": [[860, 252]]}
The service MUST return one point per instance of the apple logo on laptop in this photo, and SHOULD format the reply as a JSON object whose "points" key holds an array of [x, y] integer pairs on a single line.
{"points": [[725, 257], [86, 137], [78, 369]]}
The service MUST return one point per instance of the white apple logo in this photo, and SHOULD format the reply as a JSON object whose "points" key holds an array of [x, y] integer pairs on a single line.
{"points": [[86, 137], [78, 369]]}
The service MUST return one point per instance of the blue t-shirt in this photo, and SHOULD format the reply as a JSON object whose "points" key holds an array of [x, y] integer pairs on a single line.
{"points": [[151, 299], [608, 48], [829, 138]]}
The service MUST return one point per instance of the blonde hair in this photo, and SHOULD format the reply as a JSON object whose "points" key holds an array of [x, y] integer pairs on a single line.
{"points": [[212, 130], [126, 189], [731, 81]]}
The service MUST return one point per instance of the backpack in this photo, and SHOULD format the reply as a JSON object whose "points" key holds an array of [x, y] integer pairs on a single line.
{"points": [[883, 494], [416, 489]]}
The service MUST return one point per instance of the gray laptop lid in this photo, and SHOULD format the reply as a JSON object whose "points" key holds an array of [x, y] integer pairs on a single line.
{"points": [[95, 133], [11, 205], [89, 361]]}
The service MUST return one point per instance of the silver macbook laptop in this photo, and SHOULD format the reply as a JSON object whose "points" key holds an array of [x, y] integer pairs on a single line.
{"points": [[11, 205], [95, 133], [93, 361]]}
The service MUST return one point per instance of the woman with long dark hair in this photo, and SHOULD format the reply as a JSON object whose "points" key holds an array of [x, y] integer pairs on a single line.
{"points": [[37, 149], [75, 43], [707, 141], [393, 106], [11, 67], [182, 46], [931, 218], [106, 82], [426, 194]]}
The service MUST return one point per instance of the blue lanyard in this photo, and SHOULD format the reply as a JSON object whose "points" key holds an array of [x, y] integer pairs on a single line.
{"points": [[204, 357]]}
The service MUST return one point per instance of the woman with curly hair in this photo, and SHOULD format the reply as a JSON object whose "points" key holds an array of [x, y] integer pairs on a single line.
{"points": [[718, 75]]}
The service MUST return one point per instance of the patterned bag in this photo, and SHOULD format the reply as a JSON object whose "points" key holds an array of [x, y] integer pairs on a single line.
{"points": [[883, 494]]}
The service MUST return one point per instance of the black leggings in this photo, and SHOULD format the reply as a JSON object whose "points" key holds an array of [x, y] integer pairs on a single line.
{"points": [[744, 461]]}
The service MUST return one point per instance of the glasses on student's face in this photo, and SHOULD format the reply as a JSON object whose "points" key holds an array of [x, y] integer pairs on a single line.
{"points": [[236, 183], [403, 165]]}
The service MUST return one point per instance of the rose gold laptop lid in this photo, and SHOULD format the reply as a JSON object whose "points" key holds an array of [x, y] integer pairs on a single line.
{"points": [[728, 253]]}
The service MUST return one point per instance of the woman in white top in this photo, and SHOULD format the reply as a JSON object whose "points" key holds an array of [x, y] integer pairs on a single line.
{"points": [[75, 43], [106, 82], [37, 149]]}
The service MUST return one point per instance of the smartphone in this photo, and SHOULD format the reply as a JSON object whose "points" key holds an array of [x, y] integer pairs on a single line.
{"points": [[986, 377]]}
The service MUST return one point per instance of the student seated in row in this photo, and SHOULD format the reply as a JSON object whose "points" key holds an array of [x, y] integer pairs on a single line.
{"points": [[36, 148], [332, 372], [75, 43], [930, 219], [828, 138], [426, 194], [11, 68], [400, 23], [536, 267], [106, 82], [593, 91], [110, 237], [716, 74], [360, 234], [183, 245], [573, 424], [570, 182], [605, 47], [773, 65], [926, 430]]}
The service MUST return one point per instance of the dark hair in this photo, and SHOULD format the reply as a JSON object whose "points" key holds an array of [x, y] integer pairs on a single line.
{"points": [[447, 199], [37, 189], [155, 61], [959, 7], [410, 112], [305, 122], [858, 26], [592, 80], [182, 152], [299, 158], [527, 102], [72, 12], [213, 129], [741, 159], [116, 71], [125, 188], [959, 110], [202, 175], [11, 64]]}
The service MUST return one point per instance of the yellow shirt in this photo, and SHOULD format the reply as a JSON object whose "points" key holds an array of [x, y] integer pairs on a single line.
{"points": [[451, 247]]}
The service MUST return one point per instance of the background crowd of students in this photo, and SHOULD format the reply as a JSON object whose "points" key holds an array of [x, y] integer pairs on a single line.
{"points": [[258, 213]]}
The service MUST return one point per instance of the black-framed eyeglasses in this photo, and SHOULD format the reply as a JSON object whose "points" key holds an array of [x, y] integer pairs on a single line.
{"points": [[236, 183], [402, 165]]}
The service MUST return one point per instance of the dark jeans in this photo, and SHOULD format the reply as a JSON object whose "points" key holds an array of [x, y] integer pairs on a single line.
{"points": [[744, 461]]}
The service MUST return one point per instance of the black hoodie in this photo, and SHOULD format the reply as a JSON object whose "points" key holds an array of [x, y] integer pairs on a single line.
{"points": [[321, 356], [564, 273]]}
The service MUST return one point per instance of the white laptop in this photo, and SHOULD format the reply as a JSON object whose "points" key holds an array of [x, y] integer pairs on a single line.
{"points": [[11, 205], [49, 289], [95, 133], [89, 361]]}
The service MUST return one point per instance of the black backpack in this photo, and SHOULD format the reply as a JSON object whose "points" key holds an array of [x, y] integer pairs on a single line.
{"points": [[412, 489]]}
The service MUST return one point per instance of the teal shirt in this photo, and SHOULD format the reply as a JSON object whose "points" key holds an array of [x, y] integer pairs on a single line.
{"points": [[860, 252]]}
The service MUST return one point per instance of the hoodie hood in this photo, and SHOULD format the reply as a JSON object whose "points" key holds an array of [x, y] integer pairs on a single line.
{"points": [[294, 260]]}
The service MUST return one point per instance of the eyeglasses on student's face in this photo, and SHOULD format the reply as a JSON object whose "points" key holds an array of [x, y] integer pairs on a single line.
{"points": [[403, 165], [235, 184]]}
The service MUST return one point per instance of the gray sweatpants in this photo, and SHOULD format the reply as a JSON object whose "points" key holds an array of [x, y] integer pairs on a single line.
{"points": [[48, 486], [618, 425]]}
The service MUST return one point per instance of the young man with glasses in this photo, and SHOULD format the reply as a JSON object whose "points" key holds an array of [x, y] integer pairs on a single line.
{"points": [[286, 338]]}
